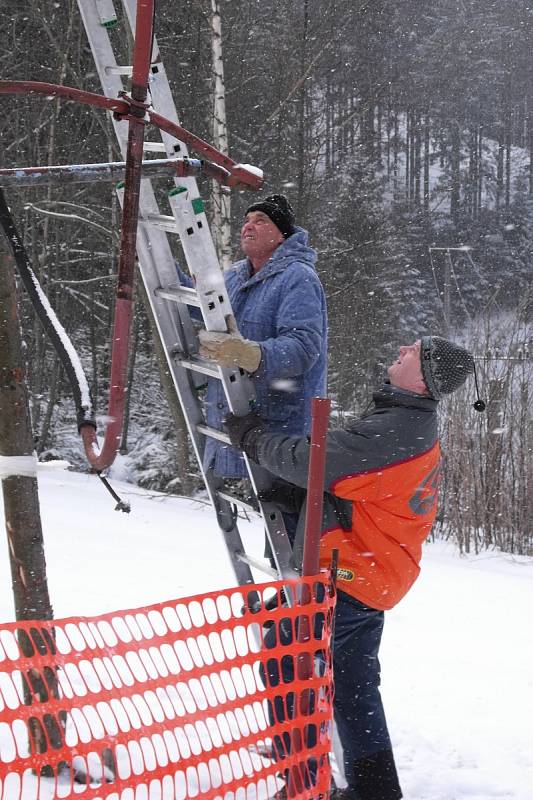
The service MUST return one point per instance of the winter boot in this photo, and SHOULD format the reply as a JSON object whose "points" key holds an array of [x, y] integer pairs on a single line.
{"points": [[375, 778]]}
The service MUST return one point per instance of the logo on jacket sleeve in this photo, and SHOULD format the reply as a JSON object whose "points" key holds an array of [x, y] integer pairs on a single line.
{"points": [[344, 574], [425, 497]]}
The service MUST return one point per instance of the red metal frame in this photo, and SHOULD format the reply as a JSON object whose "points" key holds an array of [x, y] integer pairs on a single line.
{"points": [[137, 112], [123, 108]]}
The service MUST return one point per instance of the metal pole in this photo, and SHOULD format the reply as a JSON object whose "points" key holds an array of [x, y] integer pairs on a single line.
{"points": [[128, 238], [96, 173], [320, 408]]}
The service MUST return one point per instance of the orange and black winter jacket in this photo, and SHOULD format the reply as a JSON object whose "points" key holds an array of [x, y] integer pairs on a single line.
{"points": [[382, 478]]}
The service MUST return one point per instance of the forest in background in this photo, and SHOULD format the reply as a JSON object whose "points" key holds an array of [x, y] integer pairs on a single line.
{"points": [[396, 130]]}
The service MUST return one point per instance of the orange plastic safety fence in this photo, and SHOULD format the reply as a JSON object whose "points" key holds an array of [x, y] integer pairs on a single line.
{"points": [[214, 696]]}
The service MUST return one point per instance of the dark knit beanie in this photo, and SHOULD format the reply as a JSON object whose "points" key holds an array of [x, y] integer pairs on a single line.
{"points": [[279, 210], [445, 365]]}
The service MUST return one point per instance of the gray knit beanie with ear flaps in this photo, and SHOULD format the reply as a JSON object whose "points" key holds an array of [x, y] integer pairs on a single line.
{"points": [[445, 365]]}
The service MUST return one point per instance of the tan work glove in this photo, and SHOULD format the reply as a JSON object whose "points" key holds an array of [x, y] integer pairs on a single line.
{"points": [[230, 349]]}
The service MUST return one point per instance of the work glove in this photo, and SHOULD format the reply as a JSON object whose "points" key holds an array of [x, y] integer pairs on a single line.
{"points": [[287, 497], [230, 349], [244, 432]]}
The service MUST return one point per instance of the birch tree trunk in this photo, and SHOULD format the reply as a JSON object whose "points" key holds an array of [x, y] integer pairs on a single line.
{"points": [[455, 193], [221, 199], [302, 99], [427, 157]]}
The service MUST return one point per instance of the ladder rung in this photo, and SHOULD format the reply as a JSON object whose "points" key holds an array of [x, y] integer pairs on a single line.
{"points": [[163, 221], [126, 69], [155, 147], [206, 369], [213, 433], [119, 69], [236, 501], [258, 564], [179, 294]]}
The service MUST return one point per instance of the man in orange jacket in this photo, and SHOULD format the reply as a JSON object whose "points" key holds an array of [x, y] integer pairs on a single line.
{"points": [[382, 480]]}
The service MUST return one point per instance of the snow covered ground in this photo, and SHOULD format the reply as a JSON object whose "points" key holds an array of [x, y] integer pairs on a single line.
{"points": [[457, 654]]}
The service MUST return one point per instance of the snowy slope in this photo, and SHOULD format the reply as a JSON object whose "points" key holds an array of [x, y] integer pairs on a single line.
{"points": [[457, 654]]}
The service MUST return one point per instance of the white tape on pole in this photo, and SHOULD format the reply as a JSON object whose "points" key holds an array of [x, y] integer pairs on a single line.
{"points": [[23, 466]]}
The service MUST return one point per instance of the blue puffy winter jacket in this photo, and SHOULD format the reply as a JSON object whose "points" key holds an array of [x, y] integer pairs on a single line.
{"points": [[282, 306]]}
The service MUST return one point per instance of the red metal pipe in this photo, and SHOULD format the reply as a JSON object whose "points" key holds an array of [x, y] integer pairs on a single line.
{"points": [[142, 53], [67, 92], [101, 458], [192, 140], [320, 408], [128, 242]]}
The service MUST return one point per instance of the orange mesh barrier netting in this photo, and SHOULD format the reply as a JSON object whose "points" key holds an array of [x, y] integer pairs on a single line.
{"points": [[214, 696]]}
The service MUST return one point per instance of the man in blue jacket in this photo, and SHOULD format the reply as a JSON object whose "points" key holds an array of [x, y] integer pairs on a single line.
{"points": [[280, 336]]}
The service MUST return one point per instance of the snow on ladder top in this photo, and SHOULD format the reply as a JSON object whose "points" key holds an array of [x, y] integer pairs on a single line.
{"points": [[251, 169]]}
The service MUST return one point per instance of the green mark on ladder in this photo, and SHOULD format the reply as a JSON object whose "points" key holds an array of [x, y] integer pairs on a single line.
{"points": [[110, 23], [177, 190], [120, 185], [198, 205]]}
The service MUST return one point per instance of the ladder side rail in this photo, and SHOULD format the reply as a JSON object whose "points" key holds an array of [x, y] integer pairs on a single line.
{"points": [[238, 386], [214, 302], [112, 84], [104, 59], [176, 331], [162, 99], [215, 306]]}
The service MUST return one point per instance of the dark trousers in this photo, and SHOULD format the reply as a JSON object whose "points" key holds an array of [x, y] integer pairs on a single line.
{"points": [[368, 761], [358, 708]]}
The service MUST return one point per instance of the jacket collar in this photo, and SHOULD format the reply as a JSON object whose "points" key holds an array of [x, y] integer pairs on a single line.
{"points": [[388, 396]]}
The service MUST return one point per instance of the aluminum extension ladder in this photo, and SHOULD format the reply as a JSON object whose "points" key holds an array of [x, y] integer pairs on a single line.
{"points": [[169, 300]]}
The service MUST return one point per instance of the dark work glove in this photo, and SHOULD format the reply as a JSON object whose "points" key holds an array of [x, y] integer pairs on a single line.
{"points": [[244, 432], [285, 496]]}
